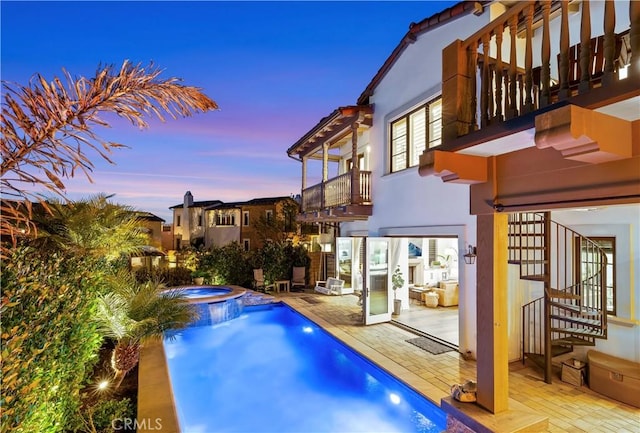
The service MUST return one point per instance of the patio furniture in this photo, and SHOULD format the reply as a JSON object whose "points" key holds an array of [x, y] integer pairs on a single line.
{"points": [[282, 285], [258, 281], [298, 279], [332, 286]]}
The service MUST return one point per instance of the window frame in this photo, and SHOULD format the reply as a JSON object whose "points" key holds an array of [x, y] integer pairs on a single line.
{"points": [[409, 146], [245, 218], [611, 267]]}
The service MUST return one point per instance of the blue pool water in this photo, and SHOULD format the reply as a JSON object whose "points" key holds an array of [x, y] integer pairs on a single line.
{"points": [[195, 292], [272, 370]]}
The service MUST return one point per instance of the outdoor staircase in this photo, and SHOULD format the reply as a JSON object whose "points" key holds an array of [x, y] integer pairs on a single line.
{"points": [[572, 269]]}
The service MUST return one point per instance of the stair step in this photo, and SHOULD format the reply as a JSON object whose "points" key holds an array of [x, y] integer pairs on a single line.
{"points": [[578, 320], [572, 341], [533, 277], [580, 331], [538, 358], [561, 294], [524, 247], [526, 222], [575, 309]]}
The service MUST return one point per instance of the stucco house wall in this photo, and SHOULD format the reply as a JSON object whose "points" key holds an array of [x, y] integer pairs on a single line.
{"points": [[403, 202]]}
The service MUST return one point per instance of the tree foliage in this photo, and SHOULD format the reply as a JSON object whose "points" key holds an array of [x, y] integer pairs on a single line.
{"points": [[49, 342], [48, 129], [133, 313]]}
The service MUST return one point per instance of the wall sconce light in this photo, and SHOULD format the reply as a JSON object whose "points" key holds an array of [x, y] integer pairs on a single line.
{"points": [[470, 257]]}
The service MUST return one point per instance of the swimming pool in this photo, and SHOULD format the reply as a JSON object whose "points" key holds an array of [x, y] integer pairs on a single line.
{"points": [[272, 370]]}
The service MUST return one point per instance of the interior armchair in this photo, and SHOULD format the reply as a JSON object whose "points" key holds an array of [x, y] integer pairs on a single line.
{"points": [[447, 293]]}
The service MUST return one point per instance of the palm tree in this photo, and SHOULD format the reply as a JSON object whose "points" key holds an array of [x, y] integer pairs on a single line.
{"points": [[136, 313], [94, 227], [47, 128]]}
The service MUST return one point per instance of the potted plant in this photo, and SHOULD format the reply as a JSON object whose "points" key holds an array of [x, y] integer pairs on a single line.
{"points": [[199, 276], [397, 281]]}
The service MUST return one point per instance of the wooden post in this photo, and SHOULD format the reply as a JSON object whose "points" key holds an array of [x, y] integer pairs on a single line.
{"points": [[545, 72], [528, 61], [564, 52], [492, 318], [456, 99], [304, 183], [484, 84], [634, 39], [585, 49], [513, 85], [499, 72], [325, 172], [472, 67], [609, 42], [355, 169]]}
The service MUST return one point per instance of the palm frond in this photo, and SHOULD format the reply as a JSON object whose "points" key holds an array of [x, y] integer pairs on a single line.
{"points": [[48, 128], [112, 316]]}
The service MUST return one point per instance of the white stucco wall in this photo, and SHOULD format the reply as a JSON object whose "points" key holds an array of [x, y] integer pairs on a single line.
{"points": [[623, 222], [404, 203]]}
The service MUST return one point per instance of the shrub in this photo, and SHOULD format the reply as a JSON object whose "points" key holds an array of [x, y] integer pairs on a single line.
{"points": [[171, 277], [107, 412], [50, 342], [227, 265]]}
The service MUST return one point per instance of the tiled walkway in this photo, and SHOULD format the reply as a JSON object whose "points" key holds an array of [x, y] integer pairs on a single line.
{"points": [[534, 405], [568, 408]]}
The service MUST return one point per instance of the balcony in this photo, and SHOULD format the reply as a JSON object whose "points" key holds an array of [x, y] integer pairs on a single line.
{"points": [[338, 199], [337, 139], [522, 65], [540, 108]]}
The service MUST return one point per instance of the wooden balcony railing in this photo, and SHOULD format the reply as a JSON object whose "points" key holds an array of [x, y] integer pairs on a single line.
{"points": [[490, 77], [338, 191]]}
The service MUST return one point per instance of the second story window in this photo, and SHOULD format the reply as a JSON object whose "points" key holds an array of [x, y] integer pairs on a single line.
{"points": [[200, 220], [178, 221], [245, 218], [412, 133], [360, 162], [269, 215], [225, 219]]}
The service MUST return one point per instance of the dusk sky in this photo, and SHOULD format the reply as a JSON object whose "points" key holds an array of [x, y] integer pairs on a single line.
{"points": [[274, 68]]}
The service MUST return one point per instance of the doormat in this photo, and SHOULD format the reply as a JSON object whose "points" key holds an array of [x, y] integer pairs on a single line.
{"points": [[429, 345]]}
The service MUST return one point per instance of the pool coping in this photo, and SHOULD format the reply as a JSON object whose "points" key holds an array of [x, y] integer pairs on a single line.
{"points": [[236, 292]]}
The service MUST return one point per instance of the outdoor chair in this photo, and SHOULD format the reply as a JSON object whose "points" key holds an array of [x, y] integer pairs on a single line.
{"points": [[298, 279], [332, 286], [258, 281]]}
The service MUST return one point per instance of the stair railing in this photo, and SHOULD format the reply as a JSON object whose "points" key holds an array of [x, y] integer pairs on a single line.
{"points": [[574, 270]]}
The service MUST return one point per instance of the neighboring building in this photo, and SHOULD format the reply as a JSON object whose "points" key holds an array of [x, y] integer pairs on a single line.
{"points": [[480, 115], [151, 255], [189, 222], [167, 237], [153, 225], [250, 223]]}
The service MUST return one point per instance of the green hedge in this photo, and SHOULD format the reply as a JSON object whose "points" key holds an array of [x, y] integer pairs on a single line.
{"points": [[230, 264], [49, 342]]}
